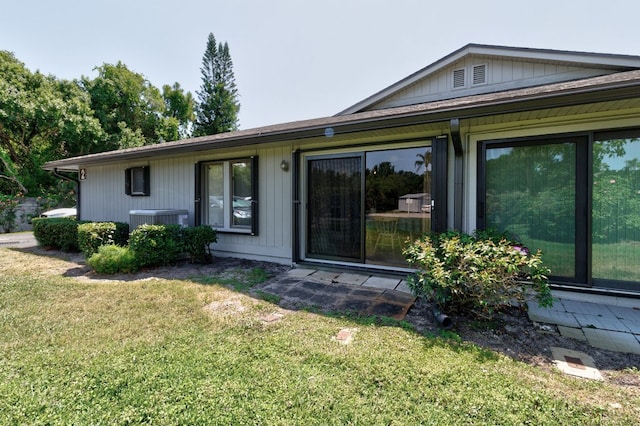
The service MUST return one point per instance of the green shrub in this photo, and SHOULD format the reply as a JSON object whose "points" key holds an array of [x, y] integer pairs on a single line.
{"points": [[156, 245], [95, 234], [477, 274], [111, 259], [57, 233], [196, 242], [8, 206]]}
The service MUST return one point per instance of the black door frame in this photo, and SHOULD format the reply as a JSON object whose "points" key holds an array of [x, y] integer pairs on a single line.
{"points": [[440, 149]]}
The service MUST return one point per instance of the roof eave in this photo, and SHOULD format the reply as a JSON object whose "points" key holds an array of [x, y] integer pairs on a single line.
{"points": [[461, 108]]}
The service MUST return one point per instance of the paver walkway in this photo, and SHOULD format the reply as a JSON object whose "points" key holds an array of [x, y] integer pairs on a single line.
{"points": [[335, 291], [601, 325]]}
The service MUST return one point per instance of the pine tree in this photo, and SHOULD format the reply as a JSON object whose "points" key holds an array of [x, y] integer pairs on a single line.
{"points": [[218, 105]]}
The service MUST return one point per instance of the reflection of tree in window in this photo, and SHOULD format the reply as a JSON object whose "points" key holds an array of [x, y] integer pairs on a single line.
{"points": [[241, 193], [616, 192], [531, 190]]}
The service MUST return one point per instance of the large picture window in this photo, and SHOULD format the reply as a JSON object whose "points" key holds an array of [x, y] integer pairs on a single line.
{"points": [[531, 192], [576, 198], [229, 195], [615, 209]]}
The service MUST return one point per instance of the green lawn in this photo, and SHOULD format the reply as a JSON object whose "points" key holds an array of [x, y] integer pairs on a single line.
{"points": [[186, 352]]}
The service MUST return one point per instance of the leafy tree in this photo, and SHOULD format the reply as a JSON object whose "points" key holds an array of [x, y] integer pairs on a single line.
{"points": [[41, 119], [180, 106], [218, 106], [130, 109]]}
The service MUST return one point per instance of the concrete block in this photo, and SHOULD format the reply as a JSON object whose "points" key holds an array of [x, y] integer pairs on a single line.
{"points": [[612, 340], [572, 333], [381, 282]]}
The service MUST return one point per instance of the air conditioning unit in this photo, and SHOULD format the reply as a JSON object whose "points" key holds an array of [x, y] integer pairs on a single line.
{"points": [[158, 217]]}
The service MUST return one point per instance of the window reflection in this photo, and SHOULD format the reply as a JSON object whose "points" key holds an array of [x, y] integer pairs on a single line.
{"points": [[398, 202]]}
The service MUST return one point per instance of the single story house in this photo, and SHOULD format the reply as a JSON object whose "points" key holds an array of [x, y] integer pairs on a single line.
{"points": [[543, 143]]}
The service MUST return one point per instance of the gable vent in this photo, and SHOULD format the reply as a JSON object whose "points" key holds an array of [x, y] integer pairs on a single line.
{"points": [[458, 78], [479, 74]]}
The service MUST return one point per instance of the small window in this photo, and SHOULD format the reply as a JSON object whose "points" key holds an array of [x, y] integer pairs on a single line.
{"points": [[458, 78], [137, 182], [230, 191]]}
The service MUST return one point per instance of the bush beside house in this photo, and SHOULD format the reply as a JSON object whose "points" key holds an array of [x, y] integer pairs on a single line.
{"points": [[477, 274], [109, 247]]}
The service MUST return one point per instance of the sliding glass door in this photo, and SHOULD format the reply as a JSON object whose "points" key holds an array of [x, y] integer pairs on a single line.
{"points": [[364, 207]]}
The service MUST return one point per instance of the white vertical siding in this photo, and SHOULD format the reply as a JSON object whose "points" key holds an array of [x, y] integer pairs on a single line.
{"points": [[502, 74], [173, 187]]}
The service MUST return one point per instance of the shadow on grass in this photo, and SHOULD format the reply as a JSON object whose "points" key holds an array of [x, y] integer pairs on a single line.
{"points": [[253, 277]]}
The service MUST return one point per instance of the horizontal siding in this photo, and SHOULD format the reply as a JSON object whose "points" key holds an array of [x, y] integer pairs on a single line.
{"points": [[103, 198]]}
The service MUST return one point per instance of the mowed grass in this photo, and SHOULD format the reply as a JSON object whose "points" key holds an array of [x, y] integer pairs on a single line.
{"points": [[156, 351]]}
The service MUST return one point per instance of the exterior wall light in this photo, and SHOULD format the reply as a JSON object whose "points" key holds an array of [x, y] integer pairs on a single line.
{"points": [[284, 165]]}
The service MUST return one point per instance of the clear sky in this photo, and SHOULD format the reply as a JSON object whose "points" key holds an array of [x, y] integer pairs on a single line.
{"points": [[299, 59]]}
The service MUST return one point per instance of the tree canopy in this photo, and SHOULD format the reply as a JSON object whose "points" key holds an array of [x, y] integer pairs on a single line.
{"points": [[43, 118], [218, 104]]}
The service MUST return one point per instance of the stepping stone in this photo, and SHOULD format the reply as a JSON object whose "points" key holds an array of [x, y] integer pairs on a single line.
{"points": [[345, 336], [272, 317], [575, 363]]}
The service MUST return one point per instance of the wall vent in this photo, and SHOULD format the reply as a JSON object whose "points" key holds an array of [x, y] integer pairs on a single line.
{"points": [[458, 78], [479, 74]]}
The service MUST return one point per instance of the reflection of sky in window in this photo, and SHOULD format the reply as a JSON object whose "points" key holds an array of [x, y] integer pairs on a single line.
{"points": [[495, 153], [631, 149], [401, 159]]}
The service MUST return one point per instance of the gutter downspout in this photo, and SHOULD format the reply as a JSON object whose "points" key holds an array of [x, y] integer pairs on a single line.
{"points": [[454, 127], [77, 182]]}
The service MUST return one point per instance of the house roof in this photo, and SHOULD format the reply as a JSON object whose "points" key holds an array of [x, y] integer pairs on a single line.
{"points": [[603, 61], [617, 86]]}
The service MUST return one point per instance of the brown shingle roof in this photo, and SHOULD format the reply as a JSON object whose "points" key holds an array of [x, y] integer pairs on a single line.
{"points": [[621, 85]]}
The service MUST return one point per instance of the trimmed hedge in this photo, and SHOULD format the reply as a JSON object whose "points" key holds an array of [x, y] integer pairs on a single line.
{"points": [[111, 259], [93, 235], [156, 245], [196, 242], [57, 233]]}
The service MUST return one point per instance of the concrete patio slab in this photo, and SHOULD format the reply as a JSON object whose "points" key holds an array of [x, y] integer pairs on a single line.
{"points": [[355, 279], [612, 340], [325, 275], [633, 326], [600, 322], [587, 308], [300, 272], [381, 282], [624, 313], [403, 287], [549, 316], [572, 333]]}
